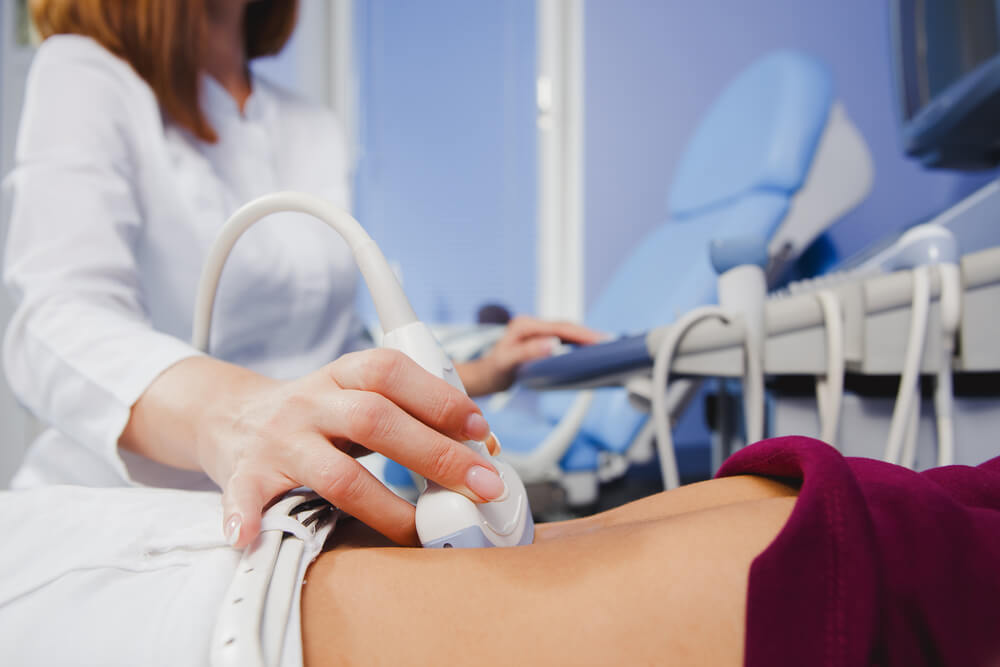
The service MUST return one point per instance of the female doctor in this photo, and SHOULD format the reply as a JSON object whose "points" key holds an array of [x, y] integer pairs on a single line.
{"points": [[143, 129]]}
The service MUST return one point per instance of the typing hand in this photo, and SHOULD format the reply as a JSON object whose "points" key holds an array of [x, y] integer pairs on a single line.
{"points": [[526, 339]]}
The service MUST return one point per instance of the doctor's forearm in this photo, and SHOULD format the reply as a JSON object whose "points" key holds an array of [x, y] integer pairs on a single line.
{"points": [[476, 378], [484, 376], [257, 438], [167, 423]]}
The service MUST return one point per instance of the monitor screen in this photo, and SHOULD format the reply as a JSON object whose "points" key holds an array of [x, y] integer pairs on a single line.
{"points": [[939, 41]]}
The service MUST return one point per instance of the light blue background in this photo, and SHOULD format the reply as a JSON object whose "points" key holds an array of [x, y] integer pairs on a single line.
{"points": [[654, 67], [447, 179]]}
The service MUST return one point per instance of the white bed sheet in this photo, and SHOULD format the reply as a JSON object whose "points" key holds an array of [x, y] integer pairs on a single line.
{"points": [[120, 576]]}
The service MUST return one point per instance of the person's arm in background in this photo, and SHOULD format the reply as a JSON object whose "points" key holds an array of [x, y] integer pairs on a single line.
{"points": [[525, 339]]}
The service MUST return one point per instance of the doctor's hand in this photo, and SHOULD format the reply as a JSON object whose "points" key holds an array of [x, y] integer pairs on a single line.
{"points": [[257, 437], [526, 339]]}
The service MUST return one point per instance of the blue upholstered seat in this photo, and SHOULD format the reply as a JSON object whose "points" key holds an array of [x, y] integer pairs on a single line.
{"points": [[737, 177]]}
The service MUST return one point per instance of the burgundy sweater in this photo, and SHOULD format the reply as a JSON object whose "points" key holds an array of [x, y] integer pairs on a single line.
{"points": [[877, 564]]}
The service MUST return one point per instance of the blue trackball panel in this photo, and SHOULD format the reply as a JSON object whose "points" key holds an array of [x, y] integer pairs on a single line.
{"points": [[585, 364]]}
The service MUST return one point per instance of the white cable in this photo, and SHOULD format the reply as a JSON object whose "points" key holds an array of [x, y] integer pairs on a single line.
{"points": [[951, 315], [250, 625], [236, 639], [830, 387], [911, 365], [393, 308], [661, 377], [943, 402], [742, 291], [280, 597], [909, 455]]}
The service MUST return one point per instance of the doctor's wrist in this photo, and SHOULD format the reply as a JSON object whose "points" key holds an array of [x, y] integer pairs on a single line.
{"points": [[179, 418], [481, 377]]}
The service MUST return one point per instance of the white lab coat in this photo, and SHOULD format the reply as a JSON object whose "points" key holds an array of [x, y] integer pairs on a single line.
{"points": [[113, 211]]}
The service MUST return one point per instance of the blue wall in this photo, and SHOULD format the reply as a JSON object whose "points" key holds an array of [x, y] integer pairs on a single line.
{"points": [[446, 182], [653, 68]]}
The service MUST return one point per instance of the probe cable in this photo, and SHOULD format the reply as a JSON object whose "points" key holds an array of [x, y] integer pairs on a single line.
{"points": [[830, 386], [250, 628], [951, 315], [908, 393], [753, 380]]}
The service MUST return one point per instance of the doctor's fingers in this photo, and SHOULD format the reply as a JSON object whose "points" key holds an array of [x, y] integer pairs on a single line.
{"points": [[328, 471], [247, 491], [347, 484], [398, 378], [375, 422]]}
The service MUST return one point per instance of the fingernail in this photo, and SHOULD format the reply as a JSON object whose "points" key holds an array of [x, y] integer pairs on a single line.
{"points": [[232, 529], [492, 444], [484, 483], [476, 427]]}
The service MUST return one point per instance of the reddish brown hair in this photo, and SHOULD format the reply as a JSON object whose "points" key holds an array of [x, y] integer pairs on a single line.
{"points": [[160, 39]]}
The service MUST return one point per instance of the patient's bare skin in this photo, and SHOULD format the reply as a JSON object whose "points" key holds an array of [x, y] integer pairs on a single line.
{"points": [[662, 578]]}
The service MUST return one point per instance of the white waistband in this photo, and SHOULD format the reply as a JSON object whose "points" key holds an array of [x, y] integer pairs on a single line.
{"points": [[261, 605]]}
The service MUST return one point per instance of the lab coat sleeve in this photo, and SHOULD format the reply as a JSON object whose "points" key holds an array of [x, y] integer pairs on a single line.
{"points": [[79, 350]]}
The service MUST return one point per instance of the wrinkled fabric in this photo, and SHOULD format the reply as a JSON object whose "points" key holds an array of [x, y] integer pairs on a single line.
{"points": [[877, 564], [121, 576]]}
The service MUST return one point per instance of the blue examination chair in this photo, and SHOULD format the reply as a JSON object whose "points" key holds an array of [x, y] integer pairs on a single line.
{"points": [[775, 158]]}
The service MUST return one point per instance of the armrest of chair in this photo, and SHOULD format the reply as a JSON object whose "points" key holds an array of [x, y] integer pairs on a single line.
{"points": [[542, 464]]}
